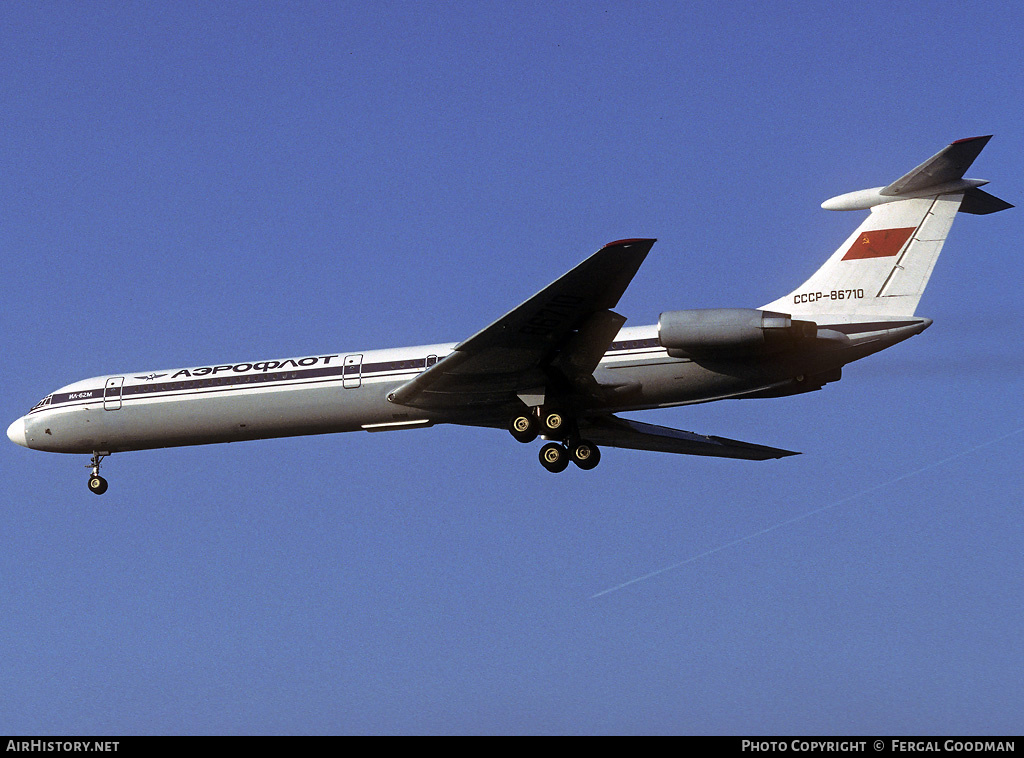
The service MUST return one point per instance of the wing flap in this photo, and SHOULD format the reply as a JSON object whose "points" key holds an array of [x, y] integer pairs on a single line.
{"points": [[585, 349], [612, 431]]}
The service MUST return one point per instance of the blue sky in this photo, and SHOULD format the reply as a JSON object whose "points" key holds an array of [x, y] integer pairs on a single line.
{"points": [[193, 184]]}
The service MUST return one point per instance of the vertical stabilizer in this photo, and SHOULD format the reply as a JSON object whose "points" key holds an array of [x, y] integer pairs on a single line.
{"points": [[881, 270]]}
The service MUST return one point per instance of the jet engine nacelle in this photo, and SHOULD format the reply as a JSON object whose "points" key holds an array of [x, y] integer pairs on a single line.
{"points": [[730, 332]]}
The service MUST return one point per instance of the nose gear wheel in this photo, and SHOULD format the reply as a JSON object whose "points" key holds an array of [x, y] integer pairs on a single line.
{"points": [[97, 484]]}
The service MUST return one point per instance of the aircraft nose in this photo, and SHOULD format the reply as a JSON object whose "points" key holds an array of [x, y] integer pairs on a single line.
{"points": [[16, 432]]}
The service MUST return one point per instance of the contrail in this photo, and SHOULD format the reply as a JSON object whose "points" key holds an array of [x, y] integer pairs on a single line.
{"points": [[803, 516]]}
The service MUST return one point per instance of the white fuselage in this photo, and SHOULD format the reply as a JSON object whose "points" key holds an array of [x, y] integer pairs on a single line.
{"points": [[344, 392], [330, 392]]}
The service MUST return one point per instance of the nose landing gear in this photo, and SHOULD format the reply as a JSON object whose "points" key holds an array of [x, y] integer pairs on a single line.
{"points": [[97, 484]]}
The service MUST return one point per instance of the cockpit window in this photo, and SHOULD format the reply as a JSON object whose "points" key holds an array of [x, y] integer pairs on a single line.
{"points": [[44, 402]]}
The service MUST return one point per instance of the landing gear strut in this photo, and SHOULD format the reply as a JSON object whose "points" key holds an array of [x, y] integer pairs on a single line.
{"points": [[97, 484]]}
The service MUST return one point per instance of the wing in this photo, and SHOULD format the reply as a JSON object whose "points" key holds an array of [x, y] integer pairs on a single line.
{"points": [[612, 431], [564, 330]]}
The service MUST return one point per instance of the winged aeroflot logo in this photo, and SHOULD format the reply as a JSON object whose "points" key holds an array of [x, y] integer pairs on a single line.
{"points": [[150, 377]]}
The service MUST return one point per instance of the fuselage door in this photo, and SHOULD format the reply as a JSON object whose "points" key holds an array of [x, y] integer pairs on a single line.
{"points": [[353, 376], [112, 393]]}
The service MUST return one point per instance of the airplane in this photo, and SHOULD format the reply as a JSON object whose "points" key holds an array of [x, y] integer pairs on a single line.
{"points": [[560, 366]]}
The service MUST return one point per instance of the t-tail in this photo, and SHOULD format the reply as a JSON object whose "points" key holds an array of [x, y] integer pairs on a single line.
{"points": [[879, 273]]}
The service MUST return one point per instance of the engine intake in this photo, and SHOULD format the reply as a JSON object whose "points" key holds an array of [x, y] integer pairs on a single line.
{"points": [[730, 332]]}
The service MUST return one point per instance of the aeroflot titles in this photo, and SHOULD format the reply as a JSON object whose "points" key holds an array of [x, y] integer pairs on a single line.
{"points": [[260, 366]]}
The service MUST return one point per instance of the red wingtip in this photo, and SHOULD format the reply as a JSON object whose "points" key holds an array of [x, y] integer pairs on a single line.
{"points": [[631, 241]]}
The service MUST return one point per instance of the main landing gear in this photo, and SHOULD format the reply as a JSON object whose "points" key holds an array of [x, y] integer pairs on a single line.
{"points": [[553, 424], [555, 456], [97, 484]]}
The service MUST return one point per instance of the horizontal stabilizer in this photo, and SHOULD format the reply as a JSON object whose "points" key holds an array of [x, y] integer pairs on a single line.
{"points": [[612, 431], [980, 203], [947, 165], [942, 174]]}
